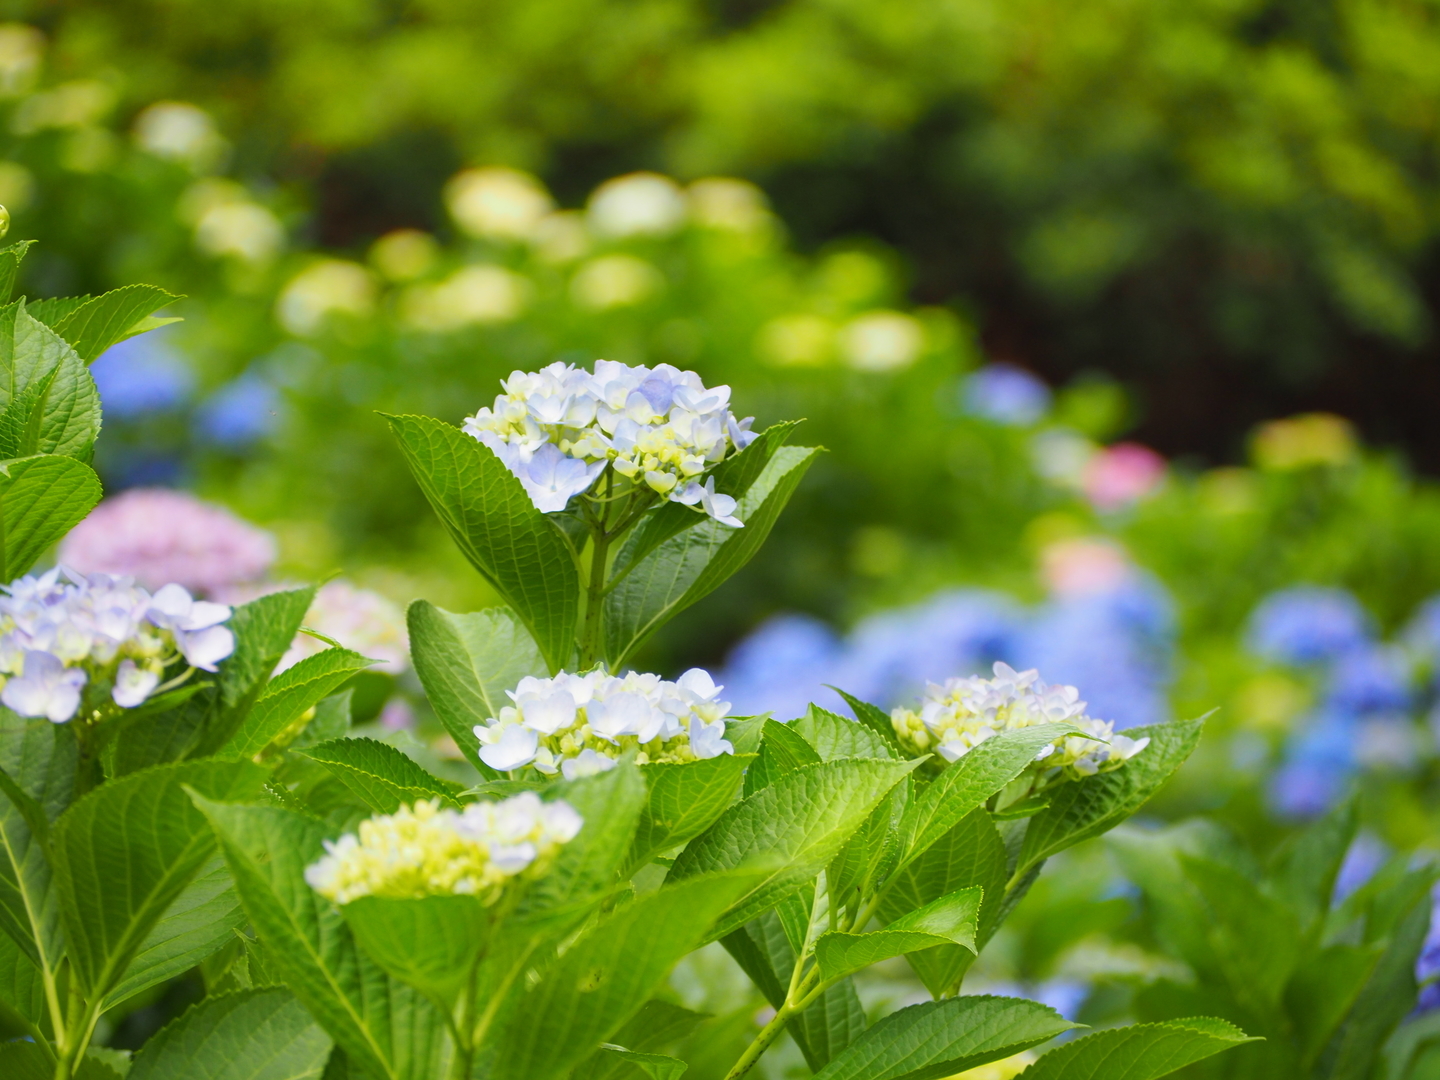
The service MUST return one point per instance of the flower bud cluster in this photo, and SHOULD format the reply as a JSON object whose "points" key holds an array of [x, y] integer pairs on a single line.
{"points": [[660, 428], [960, 714], [424, 850], [60, 632], [578, 725]]}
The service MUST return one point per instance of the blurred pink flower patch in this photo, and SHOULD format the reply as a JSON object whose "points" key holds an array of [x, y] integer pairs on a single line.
{"points": [[1084, 566], [1121, 475], [159, 536]]}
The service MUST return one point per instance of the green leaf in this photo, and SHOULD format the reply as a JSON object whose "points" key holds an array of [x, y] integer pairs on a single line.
{"points": [[874, 718], [825, 1029], [950, 920], [126, 851], [940, 1038], [101, 321], [734, 477], [1141, 1052], [1081, 809], [1240, 917], [970, 854], [466, 663], [39, 758], [682, 801], [264, 630], [383, 1025], [782, 751], [381, 775], [690, 565], [430, 943], [250, 1035], [587, 869], [41, 499], [1309, 866], [68, 409], [793, 828], [10, 258], [654, 1065], [331, 722], [488, 514], [1323, 989], [199, 923], [22, 990], [288, 696], [1389, 993], [834, 736], [607, 975], [966, 785]]}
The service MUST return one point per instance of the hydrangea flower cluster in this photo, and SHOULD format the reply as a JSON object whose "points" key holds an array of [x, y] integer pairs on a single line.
{"points": [[959, 715], [660, 428], [578, 725], [160, 536], [61, 631], [427, 850]]}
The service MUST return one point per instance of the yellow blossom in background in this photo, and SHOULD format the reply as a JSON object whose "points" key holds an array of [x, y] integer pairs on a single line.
{"points": [[1005, 1069], [1302, 441]]}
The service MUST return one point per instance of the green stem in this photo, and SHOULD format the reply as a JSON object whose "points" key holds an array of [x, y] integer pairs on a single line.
{"points": [[82, 1025], [768, 1034]]}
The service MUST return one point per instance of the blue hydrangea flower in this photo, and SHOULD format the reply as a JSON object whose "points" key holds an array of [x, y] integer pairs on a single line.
{"points": [[1307, 625], [782, 667], [142, 375], [1318, 764], [1370, 680], [1006, 394], [240, 413]]}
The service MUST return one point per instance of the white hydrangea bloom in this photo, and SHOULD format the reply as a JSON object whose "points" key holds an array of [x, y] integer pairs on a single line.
{"points": [[577, 725], [960, 714], [659, 428], [59, 632], [425, 850]]}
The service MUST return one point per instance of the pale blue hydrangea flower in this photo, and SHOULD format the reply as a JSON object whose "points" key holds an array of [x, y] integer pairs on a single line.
{"points": [[1006, 394], [1308, 624]]}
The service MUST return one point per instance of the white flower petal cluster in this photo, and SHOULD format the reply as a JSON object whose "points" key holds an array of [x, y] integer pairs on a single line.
{"points": [[556, 429], [960, 714], [577, 725], [61, 631], [424, 850]]}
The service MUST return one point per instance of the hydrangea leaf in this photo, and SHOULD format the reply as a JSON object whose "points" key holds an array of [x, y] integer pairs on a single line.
{"points": [[970, 854], [682, 801], [48, 401], [41, 499], [1081, 809], [1141, 1052], [690, 565], [868, 855], [1389, 993], [98, 322], [656, 1066], [39, 760], [260, 1034], [794, 827], [765, 948], [199, 923], [381, 775], [31, 1061], [22, 989], [734, 477], [966, 784], [431, 942], [950, 920], [874, 718], [941, 1038], [332, 721], [264, 630], [1326, 984], [11, 256], [782, 751], [126, 851], [385, 1027], [288, 696], [466, 663], [1309, 866], [587, 869], [834, 736], [487, 513], [607, 976]]}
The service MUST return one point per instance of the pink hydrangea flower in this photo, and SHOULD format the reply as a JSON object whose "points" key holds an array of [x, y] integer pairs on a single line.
{"points": [[358, 619], [1122, 474], [159, 536]]}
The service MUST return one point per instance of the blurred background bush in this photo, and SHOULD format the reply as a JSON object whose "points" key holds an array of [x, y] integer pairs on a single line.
{"points": [[1118, 321]]}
